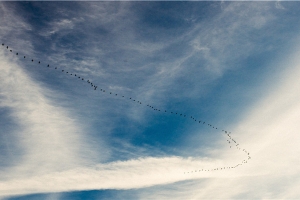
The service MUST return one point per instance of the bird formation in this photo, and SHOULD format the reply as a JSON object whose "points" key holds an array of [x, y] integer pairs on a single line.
{"points": [[231, 142]]}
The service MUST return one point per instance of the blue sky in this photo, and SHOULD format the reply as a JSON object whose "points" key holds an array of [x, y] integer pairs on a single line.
{"points": [[233, 65]]}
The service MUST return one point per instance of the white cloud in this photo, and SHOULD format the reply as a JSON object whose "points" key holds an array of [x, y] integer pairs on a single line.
{"points": [[49, 138], [270, 131]]}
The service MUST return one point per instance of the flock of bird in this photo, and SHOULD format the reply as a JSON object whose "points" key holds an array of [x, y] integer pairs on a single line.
{"points": [[231, 141]]}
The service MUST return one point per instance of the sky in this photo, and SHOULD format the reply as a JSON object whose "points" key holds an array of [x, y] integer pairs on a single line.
{"points": [[149, 100]]}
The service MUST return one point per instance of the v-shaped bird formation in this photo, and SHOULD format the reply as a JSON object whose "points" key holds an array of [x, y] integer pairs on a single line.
{"points": [[231, 142]]}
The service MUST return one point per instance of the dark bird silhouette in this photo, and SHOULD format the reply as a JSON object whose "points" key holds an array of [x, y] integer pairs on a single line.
{"points": [[62, 70], [82, 78], [32, 60], [67, 72], [24, 56], [39, 62], [2, 44], [48, 65], [7, 47], [95, 88], [55, 67], [10, 50], [17, 54], [75, 74]]}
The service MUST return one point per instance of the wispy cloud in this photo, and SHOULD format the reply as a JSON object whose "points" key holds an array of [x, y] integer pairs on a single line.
{"points": [[48, 137]]}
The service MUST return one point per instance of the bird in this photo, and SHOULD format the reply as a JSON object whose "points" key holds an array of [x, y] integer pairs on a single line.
{"points": [[16, 53], [55, 67], [95, 88], [24, 56], [39, 62], [62, 70], [48, 65], [67, 72], [82, 78], [10, 50], [7, 47], [75, 74], [32, 60]]}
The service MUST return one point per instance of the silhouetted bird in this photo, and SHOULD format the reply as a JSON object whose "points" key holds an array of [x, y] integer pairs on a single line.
{"points": [[62, 70], [75, 74], [67, 72], [39, 62], [48, 65], [24, 56], [32, 60], [55, 67], [10, 50], [7, 47], [82, 78], [17, 54]]}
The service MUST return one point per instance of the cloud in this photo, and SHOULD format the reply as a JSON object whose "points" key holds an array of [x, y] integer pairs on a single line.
{"points": [[48, 138], [270, 131]]}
